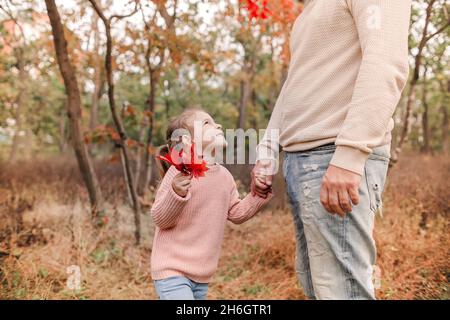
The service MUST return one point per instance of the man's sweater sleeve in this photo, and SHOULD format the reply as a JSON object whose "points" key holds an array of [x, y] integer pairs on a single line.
{"points": [[383, 27], [268, 148], [168, 205]]}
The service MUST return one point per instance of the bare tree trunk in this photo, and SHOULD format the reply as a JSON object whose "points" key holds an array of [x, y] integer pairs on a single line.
{"points": [[166, 100], [254, 98], [98, 77], [62, 130], [20, 105], [415, 78], [425, 123], [425, 128], [411, 99], [154, 72], [147, 169], [245, 89], [96, 95], [140, 151], [125, 155], [272, 93], [74, 108], [445, 143], [248, 70], [407, 120]]}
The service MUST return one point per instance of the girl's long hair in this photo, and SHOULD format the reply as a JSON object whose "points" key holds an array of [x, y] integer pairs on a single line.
{"points": [[179, 122], [162, 166]]}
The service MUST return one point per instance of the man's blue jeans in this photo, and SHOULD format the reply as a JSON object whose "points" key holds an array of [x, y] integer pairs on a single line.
{"points": [[335, 256], [180, 288]]}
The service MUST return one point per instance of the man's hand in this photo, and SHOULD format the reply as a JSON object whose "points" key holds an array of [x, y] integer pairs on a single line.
{"points": [[181, 184], [262, 177], [339, 190]]}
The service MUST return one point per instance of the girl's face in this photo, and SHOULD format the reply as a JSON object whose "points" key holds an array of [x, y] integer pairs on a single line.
{"points": [[211, 132]]}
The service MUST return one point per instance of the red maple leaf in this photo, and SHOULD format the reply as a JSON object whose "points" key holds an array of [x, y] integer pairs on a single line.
{"points": [[252, 8], [256, 10], [189, 163]]}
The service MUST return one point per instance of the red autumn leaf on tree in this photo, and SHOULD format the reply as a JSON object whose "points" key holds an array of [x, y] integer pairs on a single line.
{"points": [[265, 13], [131, 143], [129, 111], [189, 163], [252, 8], [257, 10]]}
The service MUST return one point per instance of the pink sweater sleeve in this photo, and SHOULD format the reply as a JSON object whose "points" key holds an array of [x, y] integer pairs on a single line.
{"points": [[168, 205], [243, 210]]}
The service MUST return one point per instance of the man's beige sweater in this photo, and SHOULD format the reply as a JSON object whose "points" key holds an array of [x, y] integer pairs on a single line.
{"points": [[349, 65]]}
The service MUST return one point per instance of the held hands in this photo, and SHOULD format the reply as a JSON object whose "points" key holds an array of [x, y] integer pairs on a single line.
{"points": [[181, 184], [262, 177], [338, 192]]}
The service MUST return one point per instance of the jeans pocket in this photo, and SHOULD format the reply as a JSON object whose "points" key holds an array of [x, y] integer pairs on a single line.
{"points": [[375, 173]]}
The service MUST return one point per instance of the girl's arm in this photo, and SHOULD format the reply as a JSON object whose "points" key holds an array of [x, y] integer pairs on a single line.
{"points": [[243, 210], [168, 205]]}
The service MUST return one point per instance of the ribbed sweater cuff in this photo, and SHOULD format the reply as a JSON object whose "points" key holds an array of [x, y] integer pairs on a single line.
{"points": [[261, 201], [247, 208], [174, 202], [349, 158], [256, 202], [170, 208]]}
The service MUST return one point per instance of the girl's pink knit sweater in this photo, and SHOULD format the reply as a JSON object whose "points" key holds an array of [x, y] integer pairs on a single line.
{"points": [[189, 230]]}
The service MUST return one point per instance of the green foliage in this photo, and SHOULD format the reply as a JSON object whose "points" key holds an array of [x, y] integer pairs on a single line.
{"points": [[199, 70], [108, 253]]}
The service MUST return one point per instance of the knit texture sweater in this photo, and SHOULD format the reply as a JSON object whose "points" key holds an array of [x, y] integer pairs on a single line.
{"points": [[349, 65], [189, 230]]}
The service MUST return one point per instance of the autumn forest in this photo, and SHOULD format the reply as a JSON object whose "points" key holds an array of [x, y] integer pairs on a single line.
{"points": [[87, 88]]}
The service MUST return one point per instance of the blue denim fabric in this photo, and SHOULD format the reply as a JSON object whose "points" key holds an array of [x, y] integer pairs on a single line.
{"points": [[334, 256], [180, 288]]}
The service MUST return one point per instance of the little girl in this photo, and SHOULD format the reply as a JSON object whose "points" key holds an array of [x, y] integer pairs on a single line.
{"points": [[190, 216]]}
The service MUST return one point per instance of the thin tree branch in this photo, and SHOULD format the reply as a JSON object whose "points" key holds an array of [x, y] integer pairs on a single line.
{"points": [[126, 161], [117, 16], [169, 19], [428, 38], [99, 11], [14, 19], [147, 25]]}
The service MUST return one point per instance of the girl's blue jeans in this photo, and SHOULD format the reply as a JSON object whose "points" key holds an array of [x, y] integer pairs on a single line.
{"points": [[180, 288]]}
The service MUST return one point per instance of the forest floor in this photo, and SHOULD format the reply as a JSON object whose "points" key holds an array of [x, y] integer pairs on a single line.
{"points": [[45, 228]]}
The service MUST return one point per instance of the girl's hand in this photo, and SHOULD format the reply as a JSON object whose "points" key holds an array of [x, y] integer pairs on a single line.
{"points": [[181, 184], [261, 180], [262, 177]]}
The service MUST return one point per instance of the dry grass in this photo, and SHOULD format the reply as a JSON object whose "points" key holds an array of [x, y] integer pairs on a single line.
{"points": [[45, 228]]}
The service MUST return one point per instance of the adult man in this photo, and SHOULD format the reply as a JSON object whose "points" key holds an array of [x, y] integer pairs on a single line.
{"points": [[349, 65]]}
